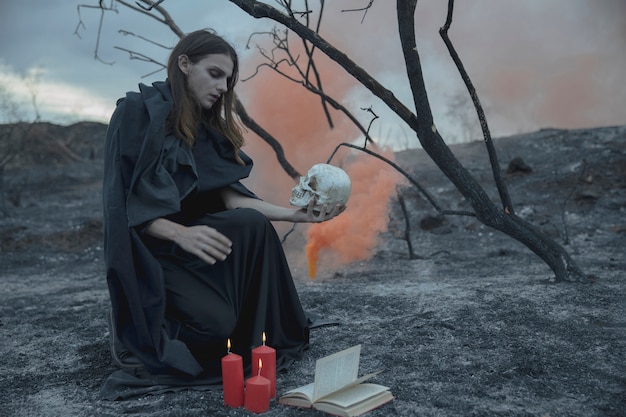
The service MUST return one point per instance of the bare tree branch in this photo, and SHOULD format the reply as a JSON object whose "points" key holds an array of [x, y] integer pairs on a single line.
{"points": [[407, 226], [421, 122], [561, 263], [151, 6], [311, 66], [361, 9], [282, 44], [276, 146], [374, 117], [406, 175], [143, 38], [132, 55], [261, 10], [165, 18], [493, 158], [103, 9]]}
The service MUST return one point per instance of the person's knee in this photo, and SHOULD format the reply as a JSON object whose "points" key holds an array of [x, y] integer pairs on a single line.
{"points": [[214, 327], [249, 221], [251, 216]]}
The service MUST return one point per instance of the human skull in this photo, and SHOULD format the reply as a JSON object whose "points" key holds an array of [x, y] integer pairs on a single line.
{"points": [[324, 184]]}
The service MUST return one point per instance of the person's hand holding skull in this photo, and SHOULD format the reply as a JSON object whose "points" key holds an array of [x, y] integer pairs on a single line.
{"points": [[322, 193]]}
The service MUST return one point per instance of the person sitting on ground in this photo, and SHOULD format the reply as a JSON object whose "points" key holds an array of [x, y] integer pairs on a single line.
{"points": [[191, 256]]}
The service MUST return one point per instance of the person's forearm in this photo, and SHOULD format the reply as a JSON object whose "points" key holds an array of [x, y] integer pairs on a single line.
{"points": [[271, 211], [233, 200], [164, 229]]}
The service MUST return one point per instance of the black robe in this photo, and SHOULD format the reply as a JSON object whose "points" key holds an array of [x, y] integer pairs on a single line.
{"points": [[148, 174]]}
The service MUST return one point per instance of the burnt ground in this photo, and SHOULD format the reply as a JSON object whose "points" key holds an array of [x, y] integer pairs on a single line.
{"points": [[473, 325]]}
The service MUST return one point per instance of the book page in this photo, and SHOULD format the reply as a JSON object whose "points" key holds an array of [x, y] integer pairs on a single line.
{"points": [[304, 391], [354, 395], [336, 371]]}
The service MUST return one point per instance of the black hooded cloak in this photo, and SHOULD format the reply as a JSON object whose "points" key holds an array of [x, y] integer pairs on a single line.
{"points": [[149, 173]]}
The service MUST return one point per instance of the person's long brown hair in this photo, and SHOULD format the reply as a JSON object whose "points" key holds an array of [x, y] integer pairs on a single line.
{"points": [[187, 114]]}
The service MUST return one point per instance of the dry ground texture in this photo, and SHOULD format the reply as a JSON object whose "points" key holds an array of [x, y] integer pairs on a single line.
{"points": [[474, 326]]}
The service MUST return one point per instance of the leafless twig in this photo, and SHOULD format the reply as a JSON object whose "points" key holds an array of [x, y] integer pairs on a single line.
{"points": [[151, 6], [375, 116], [143, 38], [406, 175], [407, 225], [103, 9], [165, 18], [363, 9], [493, 158]]}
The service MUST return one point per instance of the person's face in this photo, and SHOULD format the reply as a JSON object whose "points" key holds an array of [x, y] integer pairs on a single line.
{"points": [[208, 78]]}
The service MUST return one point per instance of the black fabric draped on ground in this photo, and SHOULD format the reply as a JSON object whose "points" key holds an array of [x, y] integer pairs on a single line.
{"points": [[125, 385]]}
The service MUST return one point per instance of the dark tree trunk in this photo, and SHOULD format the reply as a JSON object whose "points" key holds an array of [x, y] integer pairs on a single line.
{"points": [[553, 254], [486, 211]]}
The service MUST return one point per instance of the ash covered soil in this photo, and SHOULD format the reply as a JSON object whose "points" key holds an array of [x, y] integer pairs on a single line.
{"points": [[472, 325]]}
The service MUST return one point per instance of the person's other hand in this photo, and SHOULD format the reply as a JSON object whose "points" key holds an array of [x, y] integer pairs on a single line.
{"points": [[205, 242]]}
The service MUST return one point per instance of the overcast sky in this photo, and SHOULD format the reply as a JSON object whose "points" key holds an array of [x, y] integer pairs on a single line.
{"points": [[535, 63]]}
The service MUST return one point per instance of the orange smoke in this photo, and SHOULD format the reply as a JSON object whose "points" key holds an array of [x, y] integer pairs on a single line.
{"points": [[294, 116], [353, 235]]}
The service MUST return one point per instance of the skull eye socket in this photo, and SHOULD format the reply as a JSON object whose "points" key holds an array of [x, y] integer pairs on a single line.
{"points": [[313, 183]]}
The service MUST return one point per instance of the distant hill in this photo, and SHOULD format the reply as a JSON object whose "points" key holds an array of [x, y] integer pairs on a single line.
{"points": [[50, 144]]}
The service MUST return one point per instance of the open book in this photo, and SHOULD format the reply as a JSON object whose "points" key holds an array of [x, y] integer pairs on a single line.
{"points": [[337, 389]]}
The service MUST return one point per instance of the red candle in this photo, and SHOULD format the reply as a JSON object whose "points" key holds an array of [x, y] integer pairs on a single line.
{"points": [[268, 355], [257, 392], [232, 378]]}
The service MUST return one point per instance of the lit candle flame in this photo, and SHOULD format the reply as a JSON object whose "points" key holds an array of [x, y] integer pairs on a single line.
{"points": [[228, 345], [260, 365], [263, 338]]}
